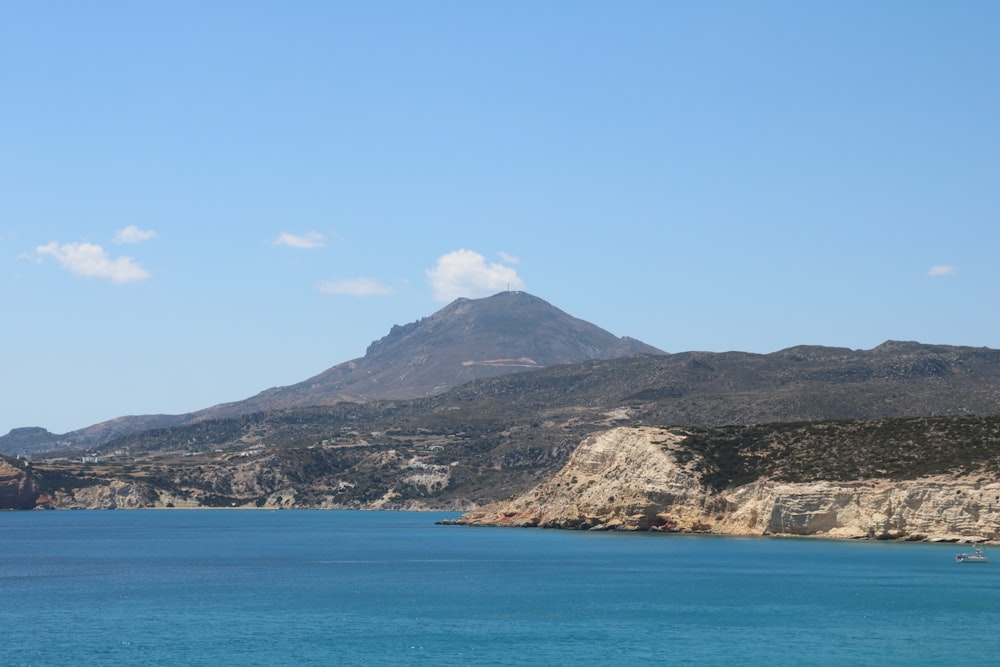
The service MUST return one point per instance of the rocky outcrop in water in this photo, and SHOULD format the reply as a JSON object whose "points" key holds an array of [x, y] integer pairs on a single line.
{"points": [[633, 479]]}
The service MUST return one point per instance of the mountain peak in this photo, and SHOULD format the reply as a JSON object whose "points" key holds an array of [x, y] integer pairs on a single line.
{"points": [[466, 340]]}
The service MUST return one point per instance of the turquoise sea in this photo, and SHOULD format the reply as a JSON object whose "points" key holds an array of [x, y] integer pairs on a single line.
{"points": [[203, 587]]}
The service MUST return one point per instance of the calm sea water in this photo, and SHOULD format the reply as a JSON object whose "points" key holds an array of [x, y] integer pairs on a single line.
{"points": [[385, 588]]}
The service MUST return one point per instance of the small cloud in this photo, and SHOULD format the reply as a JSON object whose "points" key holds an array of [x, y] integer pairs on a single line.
{"points": [[92, 261], [466, 273], [307, 240], [939, 270], [360, 286], [133, 234], [509, 259]]}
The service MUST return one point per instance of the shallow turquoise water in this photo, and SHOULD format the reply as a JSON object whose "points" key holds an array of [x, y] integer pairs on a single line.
{"points": [[326, 588]]}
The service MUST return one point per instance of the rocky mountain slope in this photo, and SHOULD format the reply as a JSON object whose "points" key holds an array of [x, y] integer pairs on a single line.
{"points": [[560, 402], [650, 479], [510, 332]]}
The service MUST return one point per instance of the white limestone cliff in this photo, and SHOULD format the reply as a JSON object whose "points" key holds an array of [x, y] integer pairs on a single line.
{"points": [[629, 479]]}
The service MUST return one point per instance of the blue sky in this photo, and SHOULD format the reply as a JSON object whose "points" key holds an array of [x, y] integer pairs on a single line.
{"points": [[201, 200]]}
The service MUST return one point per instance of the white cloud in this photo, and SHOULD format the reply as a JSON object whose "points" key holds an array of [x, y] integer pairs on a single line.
{"points": [[360, 286], [465, 273], [509, 259], [939, 270], [307, 240], [133, 234], [92, 261]]}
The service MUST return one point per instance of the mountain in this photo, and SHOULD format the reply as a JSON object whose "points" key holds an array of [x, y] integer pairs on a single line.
{"points": [[466, 361], [543, 414], [469, 339], [741, 423], [789, 416]]}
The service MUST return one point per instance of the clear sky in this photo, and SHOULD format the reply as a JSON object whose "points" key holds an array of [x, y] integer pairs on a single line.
{"points": [[203, 199]]}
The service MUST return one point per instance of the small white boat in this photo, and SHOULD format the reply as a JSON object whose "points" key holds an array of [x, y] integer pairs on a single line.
{"points": [[977, 556]]}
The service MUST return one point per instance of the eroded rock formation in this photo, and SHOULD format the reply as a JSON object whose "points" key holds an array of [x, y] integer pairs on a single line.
{"points": [[631, 479], [114, 494], [18, 488]]}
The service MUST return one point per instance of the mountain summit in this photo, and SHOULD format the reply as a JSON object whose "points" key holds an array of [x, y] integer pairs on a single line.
{"points": [[466, 340]]}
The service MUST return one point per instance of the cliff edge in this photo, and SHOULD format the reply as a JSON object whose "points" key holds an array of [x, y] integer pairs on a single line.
{"points": [[634, 479], [19, 490]]}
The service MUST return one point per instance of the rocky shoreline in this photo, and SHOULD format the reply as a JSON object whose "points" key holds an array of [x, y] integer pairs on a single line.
{"points": [[638, 479], [630, 479], [19, 490]]}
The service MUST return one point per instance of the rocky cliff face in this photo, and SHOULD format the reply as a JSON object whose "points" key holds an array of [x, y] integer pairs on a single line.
{"points": [[19, 490], [631, 479], [112, 495]]}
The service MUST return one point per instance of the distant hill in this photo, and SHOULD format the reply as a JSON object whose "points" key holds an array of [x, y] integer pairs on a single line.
{"points": [[469, 339], [805, 383]]}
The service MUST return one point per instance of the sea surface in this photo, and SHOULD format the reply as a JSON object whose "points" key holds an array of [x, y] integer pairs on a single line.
{"points": [[236, 587]]}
